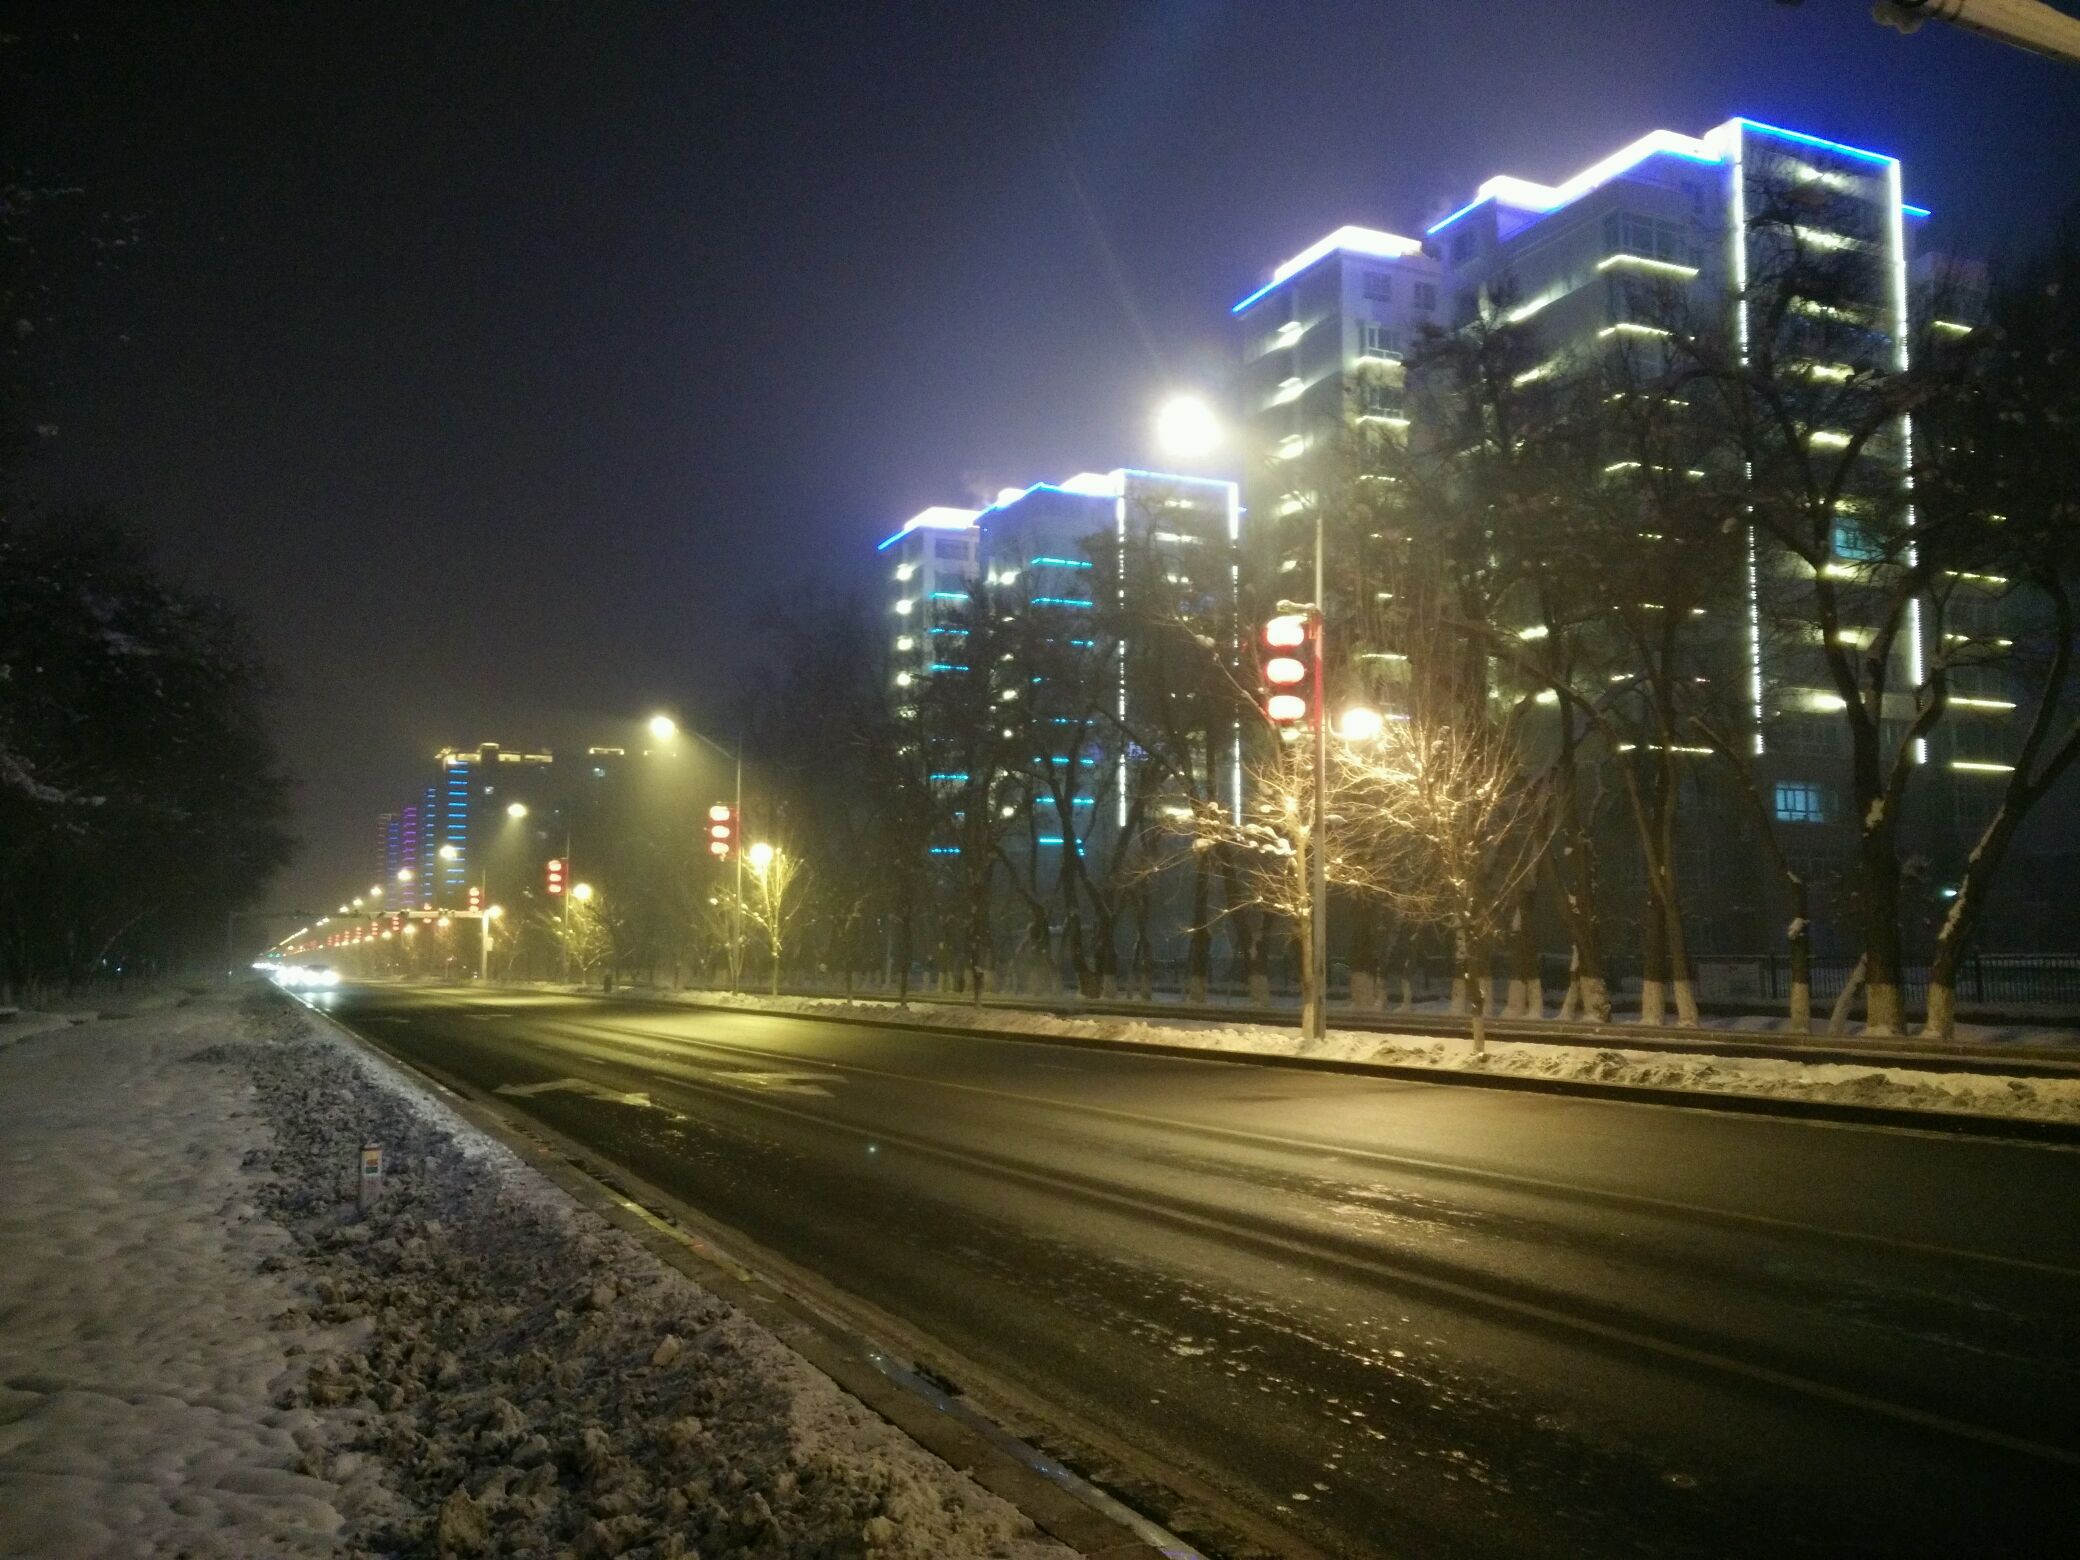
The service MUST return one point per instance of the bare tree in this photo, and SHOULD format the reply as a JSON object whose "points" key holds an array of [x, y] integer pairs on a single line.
{"points": [[1457, 827], [773, 899], [1269, 850]]}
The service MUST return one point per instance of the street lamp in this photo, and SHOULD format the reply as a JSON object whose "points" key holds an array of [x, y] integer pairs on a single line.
{"points": [[760, 856], [582, 892], [516, 809], [449, 853], [663, 727], [1361, 725], [404, 874], [1186, 427]]}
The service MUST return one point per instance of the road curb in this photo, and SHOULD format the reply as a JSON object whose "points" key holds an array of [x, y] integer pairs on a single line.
{"points": [[2059, 1134]]}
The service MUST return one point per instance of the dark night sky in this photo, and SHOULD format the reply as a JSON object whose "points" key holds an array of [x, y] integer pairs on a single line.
{"points": [[504, 362]]}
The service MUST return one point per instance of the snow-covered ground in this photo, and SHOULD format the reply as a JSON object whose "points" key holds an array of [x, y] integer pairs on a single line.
{"points": [[1905, 1087], [207, 1350]]}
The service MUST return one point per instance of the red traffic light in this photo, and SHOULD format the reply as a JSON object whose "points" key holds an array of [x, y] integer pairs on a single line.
{"points": [[476, 897], [722, 830], [1286, 632], [1289, 670], [555, 875]]}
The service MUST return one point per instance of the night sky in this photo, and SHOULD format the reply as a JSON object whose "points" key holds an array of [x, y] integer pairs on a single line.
{"points": [[509, 365]]}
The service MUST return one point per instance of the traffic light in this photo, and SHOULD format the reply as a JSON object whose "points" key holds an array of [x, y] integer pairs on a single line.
{"points": [[556, 875], [1288, 669], [722, 830], [476, 897]]}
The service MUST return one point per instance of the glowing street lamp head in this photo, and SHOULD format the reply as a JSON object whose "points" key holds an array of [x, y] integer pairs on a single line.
{"points": [[663, 727], [493, 912], [357, 899], [581, 892], [760, 856], [376, 892], [404, 874], [1186, 427], [516, 809], [1361, 725], [449, 853]]}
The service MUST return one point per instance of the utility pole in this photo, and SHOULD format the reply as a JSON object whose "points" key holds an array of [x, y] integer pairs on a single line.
{"points": [[736, 914], [570, 881], [1313, 1018]]}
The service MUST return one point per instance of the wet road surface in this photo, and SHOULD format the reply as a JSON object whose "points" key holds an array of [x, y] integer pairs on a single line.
{"points": [[1403, 1319]]}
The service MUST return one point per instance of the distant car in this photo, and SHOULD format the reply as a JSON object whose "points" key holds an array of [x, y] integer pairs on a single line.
{"points": [[306, 975]]}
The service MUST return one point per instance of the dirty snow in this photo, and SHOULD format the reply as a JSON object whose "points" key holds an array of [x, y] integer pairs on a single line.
{"points": [[1904, 1087], [207, 1350]]}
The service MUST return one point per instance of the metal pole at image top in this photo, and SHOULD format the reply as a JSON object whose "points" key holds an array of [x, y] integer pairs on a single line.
{"points": [[1314, 1022]]}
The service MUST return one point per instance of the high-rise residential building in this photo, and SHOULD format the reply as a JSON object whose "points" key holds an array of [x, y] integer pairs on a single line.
{"points": [[1583, 263], [1048, 546], [1324, 342]]}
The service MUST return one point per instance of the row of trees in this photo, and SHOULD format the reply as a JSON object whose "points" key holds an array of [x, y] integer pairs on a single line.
{"points": [[141, 800]]}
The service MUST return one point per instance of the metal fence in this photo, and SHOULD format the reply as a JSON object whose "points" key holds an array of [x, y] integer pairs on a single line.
{"points": [[2047, 984], [1993, 980]]}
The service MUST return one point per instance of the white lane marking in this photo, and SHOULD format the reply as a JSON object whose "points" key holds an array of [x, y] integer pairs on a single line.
{"points": [[575, 1086]]}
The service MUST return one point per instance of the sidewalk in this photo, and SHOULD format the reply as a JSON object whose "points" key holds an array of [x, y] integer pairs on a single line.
{"points": [[207, 1351]]}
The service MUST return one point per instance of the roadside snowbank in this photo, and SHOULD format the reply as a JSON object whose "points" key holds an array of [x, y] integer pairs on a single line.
{"points": [[140, 1366], [208, 1351], [1901, 1087]]}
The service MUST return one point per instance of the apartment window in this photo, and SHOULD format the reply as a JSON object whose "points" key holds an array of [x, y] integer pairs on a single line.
{"points": [[1806, 736], [1426, 296], [1627, 232], [1463, 247], [1379, 287], [949, 547], [1852, 541], [1376, 400], [1379, 341], [1799, 801]]}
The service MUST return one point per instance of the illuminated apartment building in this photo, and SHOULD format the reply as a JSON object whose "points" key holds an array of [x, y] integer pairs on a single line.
{"points": [[1047, 546], [1583, 263]]}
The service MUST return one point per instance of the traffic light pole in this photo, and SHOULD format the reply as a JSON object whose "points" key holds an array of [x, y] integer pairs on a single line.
{"points": [[1312, 1017], [736, 913], [567, 881]]}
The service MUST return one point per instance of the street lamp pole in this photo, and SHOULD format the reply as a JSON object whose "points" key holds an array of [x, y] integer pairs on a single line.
{"points": [[1314, 1022], [736, 913]]}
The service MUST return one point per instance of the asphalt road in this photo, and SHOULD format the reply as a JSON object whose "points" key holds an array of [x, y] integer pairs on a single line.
{"points": [[1404, 1319]]}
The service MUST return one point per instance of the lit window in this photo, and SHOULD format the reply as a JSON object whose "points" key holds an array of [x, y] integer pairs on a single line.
{"points": [[1800, 802]]}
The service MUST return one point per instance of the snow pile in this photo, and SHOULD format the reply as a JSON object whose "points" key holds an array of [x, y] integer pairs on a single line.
{"points": [[208, 1351], [538, 1385], [139, 1357], [1901, 1087]]}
